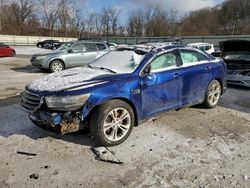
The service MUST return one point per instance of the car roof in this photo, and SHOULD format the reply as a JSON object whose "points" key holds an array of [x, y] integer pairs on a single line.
{"points": [[82, 41], [148, 47], [198, 44]]}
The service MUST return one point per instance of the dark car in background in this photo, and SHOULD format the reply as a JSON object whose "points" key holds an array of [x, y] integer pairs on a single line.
{"points": [[48, 44], [58, 45], [236, 54], [123, 88], [6, 51], [70, 55]]}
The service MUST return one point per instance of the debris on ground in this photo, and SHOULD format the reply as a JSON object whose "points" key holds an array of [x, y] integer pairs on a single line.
{"points": [[103, 154], [26, 153], [34, 176]]}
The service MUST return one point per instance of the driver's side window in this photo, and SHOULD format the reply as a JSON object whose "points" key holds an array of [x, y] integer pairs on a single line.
{"points": [[163, 61]]}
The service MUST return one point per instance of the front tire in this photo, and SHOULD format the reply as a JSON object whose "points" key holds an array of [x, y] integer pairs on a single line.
{"points": [[112, 123], [56, 66], [213, 94]]}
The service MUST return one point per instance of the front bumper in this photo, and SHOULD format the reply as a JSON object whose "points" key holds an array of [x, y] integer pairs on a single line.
{"points": [[41, 63], [66, 121], [63, 123]]}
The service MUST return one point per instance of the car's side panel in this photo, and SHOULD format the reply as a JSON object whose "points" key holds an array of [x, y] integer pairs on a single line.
{"points": [[5, 51], [122, 90], [163, 94], [195, 82], [87, 57]]}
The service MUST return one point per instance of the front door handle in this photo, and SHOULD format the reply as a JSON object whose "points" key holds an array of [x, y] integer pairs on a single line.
{"points": [[176, 75]]}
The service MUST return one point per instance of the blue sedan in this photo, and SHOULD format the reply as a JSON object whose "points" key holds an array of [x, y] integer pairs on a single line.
{"points": [[123, 88]]}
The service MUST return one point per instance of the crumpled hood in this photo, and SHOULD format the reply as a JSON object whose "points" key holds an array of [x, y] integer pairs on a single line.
{"points": [[81, 77]]}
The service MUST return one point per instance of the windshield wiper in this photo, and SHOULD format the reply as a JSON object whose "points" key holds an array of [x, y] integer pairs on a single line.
{"points": [[102, 68]]}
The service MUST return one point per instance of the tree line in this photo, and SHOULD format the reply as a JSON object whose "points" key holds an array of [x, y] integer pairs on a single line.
{"points": [[62, 18]]}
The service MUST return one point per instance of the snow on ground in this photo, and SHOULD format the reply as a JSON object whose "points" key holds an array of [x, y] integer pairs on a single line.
{"points": [[29, 50], [193, 147], [8, 59], [189, 148]]}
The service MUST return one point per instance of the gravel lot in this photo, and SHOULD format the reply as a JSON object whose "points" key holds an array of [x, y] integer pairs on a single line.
{"points": [[193, 147]]}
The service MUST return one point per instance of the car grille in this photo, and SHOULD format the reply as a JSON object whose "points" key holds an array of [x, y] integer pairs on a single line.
{"points": [[30, 101]]}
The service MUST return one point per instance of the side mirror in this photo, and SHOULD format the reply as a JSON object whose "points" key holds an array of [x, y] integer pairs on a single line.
{"points": [[147, 70], [149, 80], [70, 51]]}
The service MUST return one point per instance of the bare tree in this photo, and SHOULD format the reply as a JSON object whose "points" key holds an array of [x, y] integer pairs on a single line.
{"points": [[136, 23], [114, 18], [50, 15], [105, 20], [14, 16], [63, 17]]}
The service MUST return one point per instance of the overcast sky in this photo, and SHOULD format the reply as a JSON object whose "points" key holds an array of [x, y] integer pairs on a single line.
{"points": [[180, 5]]}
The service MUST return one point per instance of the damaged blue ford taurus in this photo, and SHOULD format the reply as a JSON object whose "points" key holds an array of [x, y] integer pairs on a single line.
{"points": [[123, 88]]}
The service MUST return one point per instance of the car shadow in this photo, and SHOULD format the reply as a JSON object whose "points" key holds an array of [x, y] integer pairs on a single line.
{"points": [[236, 98], [14, 121], [23, 56], [232, 86], [28, 69]]}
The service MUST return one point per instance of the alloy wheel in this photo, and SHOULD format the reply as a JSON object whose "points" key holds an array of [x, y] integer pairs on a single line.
{"points": [[214, 93], [117, 124], [57, 66]]}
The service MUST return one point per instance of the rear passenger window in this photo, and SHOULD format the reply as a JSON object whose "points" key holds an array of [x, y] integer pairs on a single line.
{"points": [[202, 57], [202, 48], [207, 48], [163, 61], [90, 47], [101, 46], [189, 57]]}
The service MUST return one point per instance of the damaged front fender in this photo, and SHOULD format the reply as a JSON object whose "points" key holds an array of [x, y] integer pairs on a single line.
{"points": [[63, 122]]}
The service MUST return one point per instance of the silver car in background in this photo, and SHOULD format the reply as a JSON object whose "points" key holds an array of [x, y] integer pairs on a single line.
{"points": [[70, 55]]}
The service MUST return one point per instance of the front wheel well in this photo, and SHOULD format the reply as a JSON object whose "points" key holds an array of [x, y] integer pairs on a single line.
{"points": [[121, 99], [57, 60], [221, 84]]}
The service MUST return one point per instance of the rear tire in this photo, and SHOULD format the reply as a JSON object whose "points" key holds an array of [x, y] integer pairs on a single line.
{"points": [[112, 122], [56, 66], [13, 54], [213, 94]]}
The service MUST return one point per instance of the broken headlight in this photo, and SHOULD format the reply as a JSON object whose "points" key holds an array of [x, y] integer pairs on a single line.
{"points": [[66, 103]]}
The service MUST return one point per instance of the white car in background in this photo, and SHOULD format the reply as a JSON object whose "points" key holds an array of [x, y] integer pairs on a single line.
{"points": [[205, 47]]}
